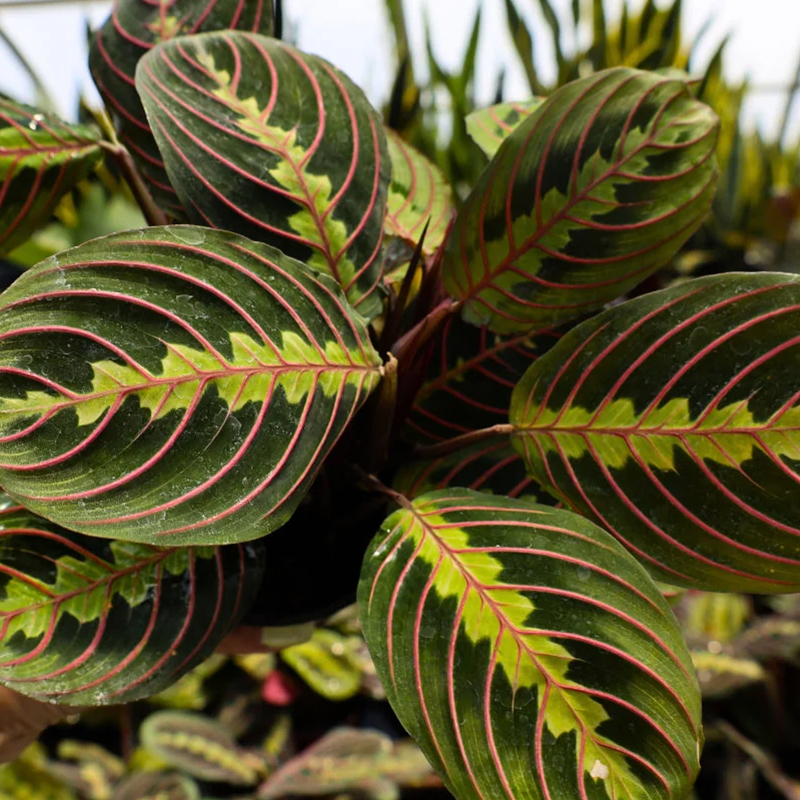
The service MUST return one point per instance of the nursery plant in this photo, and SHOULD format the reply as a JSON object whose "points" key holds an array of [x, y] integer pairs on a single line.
{"points": [[314, 362]]}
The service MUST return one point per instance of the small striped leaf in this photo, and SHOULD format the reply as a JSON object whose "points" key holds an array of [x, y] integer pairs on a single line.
{"points": [[418, 194], [491, 466], [198, 746], [672, 420], [595, 191], [88, 621], [275, 144], [470, 380], [174, 385], [490, 127], [528, 653], [133, 29], [41, 159]]}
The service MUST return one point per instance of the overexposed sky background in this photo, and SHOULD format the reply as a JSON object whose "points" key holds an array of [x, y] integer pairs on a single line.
{"points": [[765, 43]]}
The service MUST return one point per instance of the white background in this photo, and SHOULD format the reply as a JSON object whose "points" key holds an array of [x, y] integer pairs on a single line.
{"points": [[764, 46]]}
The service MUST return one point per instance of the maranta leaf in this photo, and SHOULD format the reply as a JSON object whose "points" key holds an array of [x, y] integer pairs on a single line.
{"points": [[596, 190], [673, 420], [275, 144], [41, 159], [134, 28], [490, 127], [89, 621], [175, 385], [528, 653]]}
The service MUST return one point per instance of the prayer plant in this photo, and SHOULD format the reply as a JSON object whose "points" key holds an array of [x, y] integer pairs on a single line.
{"points": [[206, 420]]}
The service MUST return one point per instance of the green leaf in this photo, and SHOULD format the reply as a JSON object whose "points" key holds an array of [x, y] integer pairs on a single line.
{"points": [[174, 385], [672, 420], [491, 126], [471, 377], [491, 466], [418, 194], [133, 29], [275, 144], [325, 663], [91, 621], [528, 653], [591, 194], [198, 746], [41, 159]]}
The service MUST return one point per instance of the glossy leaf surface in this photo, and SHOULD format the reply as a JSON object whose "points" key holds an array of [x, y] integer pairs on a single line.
{"points": [[528, 653], [89, 621], [133, 29], [595, 191], [490, 127], [418, 193], [275, 144], [41, 159], [174, 385], [672, 421]]}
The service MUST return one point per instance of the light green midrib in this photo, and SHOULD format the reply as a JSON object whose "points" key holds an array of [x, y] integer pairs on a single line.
{"points": [[513, 630], [490, 275], [204, 377], [583, 430], [111, 578], [307, 199]]}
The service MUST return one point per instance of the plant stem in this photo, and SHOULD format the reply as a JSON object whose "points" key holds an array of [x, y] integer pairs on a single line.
{"points": [[152, 213], [370, 481], [460, 442]]}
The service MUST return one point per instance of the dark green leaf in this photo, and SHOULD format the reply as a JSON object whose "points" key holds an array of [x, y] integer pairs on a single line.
{"points": [[41, 159], [275, 144], [90, 621], [591, 194], [528, 653], [175, 385], [136, 26], [672, 420]]}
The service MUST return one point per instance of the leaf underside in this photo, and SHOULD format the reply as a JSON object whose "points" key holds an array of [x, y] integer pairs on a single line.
{"points": [[89, 621], [133, 29], [528, 654], [41, 159], [277, 145], [174, 385], [591, 194], [672, 420]]}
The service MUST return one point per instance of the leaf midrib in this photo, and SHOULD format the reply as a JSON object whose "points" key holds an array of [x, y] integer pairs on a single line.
{"points": [[200, 376], [562, 214], [505, 624]]}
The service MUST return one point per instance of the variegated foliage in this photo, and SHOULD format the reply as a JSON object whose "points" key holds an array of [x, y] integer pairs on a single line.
{"points": [[672, 420], [133, 29], [174, 385], [87, 621], [590, 195], [41, 159], [277, 145], [528, 653]]}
